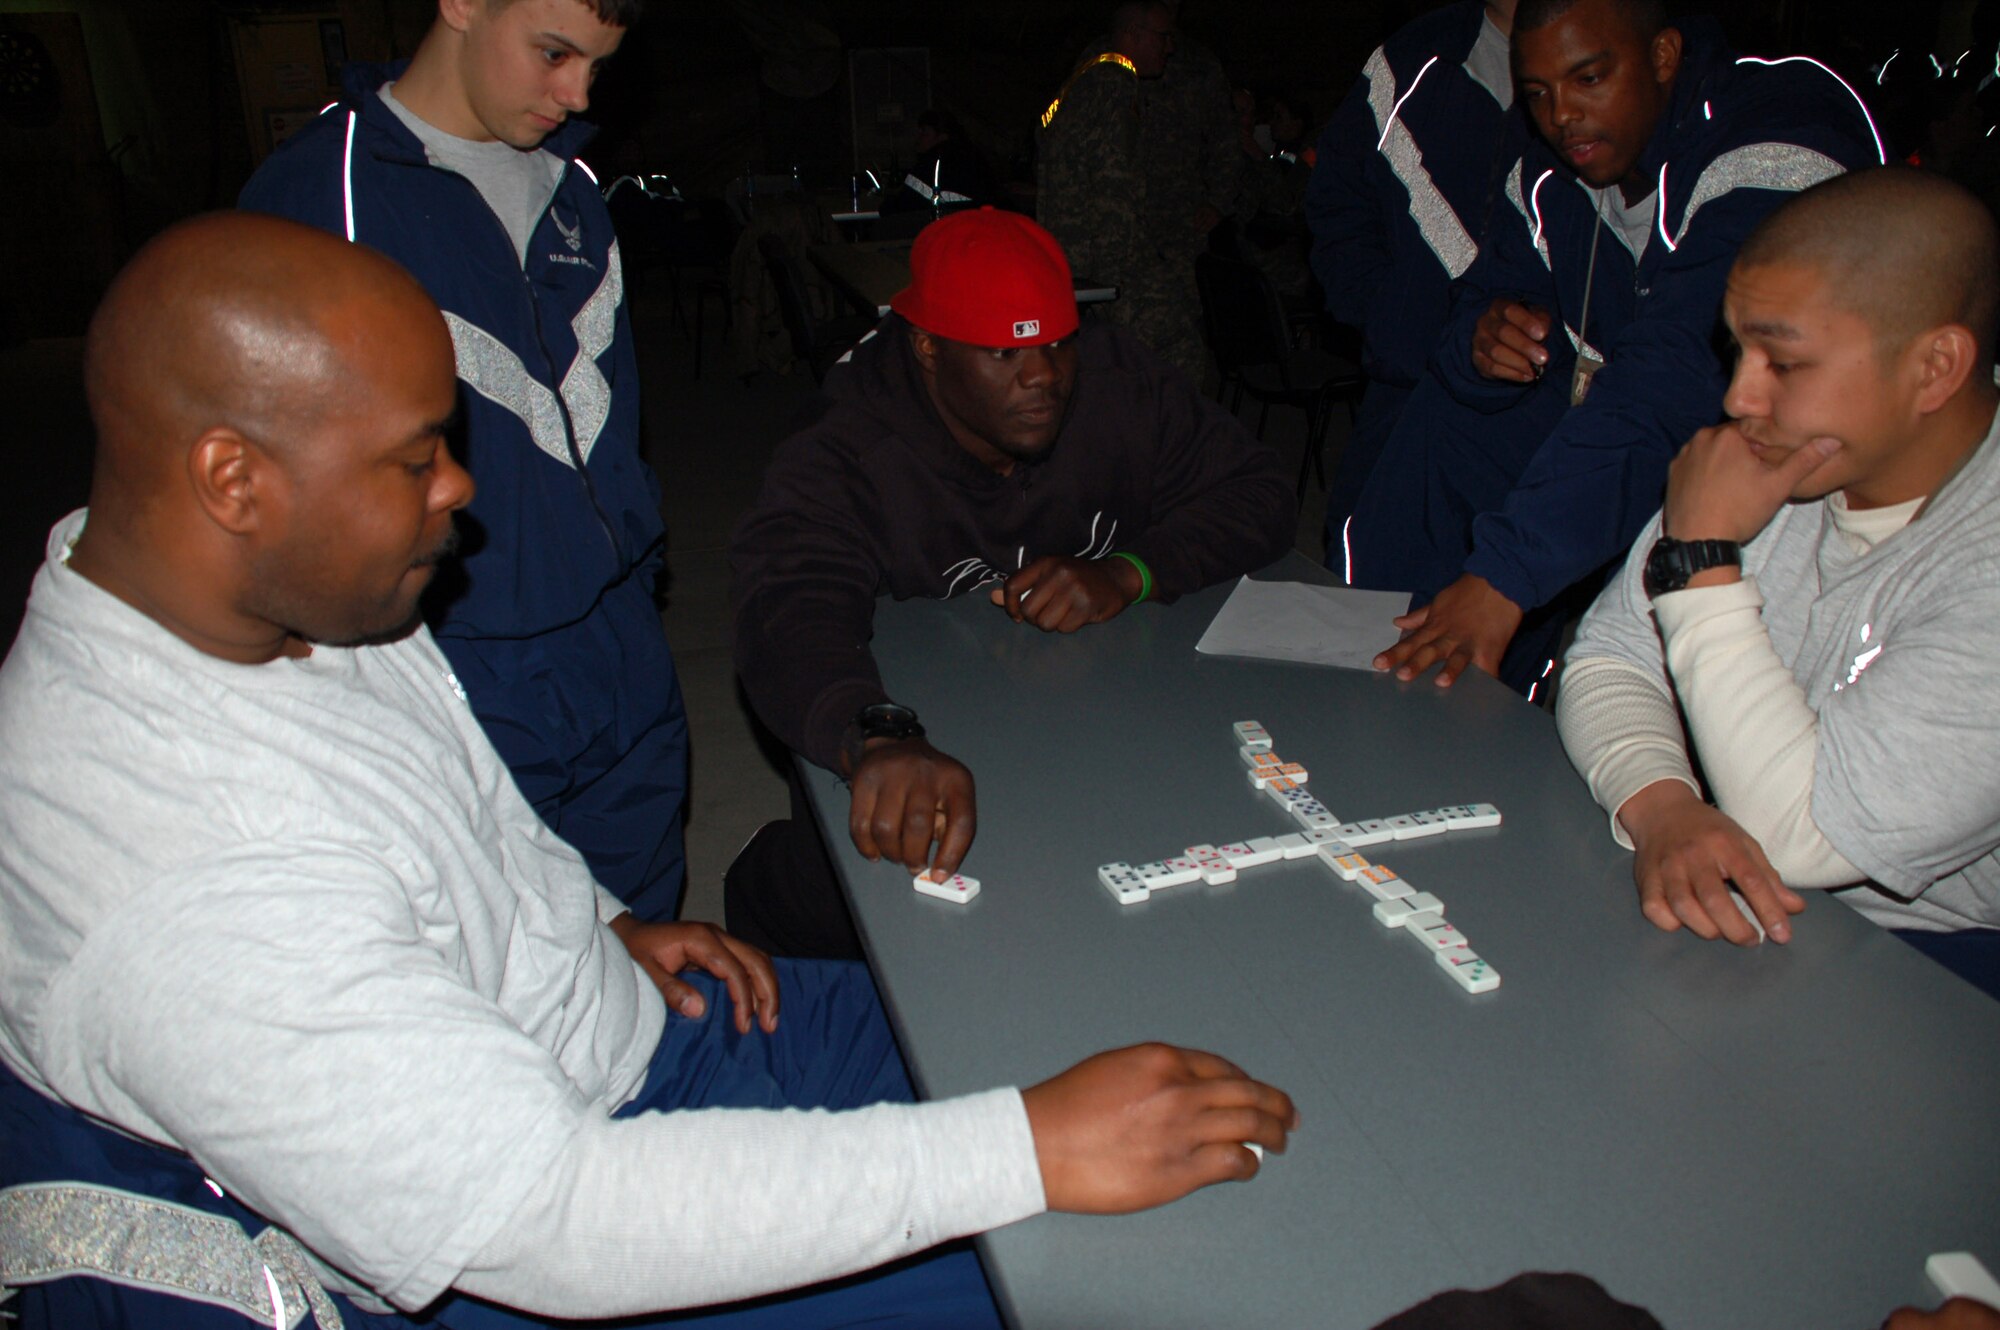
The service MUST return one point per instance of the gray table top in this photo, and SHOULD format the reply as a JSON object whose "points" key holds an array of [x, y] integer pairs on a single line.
{"points": [[1773, 1137]]}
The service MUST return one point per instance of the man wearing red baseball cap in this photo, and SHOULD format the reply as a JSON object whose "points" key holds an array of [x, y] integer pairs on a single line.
{"points": [[981, 439]]}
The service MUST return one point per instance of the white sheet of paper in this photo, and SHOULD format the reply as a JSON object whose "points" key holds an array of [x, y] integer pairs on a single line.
{"points": [[1313, 625]]}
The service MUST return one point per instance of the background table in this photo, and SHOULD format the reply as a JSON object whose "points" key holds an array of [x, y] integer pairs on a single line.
{"points": [[1774, 1137]]}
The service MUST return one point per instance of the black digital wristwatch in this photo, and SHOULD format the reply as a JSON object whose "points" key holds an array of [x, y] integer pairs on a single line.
{"points": [[1673, 563]]}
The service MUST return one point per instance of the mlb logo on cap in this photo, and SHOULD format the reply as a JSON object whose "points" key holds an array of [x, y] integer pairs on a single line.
{"points": [[989, 278]]}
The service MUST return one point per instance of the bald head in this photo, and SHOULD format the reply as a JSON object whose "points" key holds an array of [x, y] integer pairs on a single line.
{"points": [[271, 404], [231, 319], [1903, 250]]}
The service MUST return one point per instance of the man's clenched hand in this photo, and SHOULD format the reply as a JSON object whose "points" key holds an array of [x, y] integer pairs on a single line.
{"points": [[1060, 595], [1138, 1127]]}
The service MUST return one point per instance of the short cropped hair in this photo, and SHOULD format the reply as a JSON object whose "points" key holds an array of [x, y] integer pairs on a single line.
{"points": [[618, 13], [1646, 16], [1904, 250]]}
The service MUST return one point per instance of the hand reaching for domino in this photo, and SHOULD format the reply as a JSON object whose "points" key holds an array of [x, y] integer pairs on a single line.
{"points": [[907, 796], [1139, 1127]]}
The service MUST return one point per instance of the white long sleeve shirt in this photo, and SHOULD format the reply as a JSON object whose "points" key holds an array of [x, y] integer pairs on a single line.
{"points": [[296, 920]]}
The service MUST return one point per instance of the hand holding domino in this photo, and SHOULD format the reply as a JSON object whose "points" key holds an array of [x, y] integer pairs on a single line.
{"points": [[1139, 1127], [1069, 593], [907, 795], [1687, 855], [1972, 1297]]}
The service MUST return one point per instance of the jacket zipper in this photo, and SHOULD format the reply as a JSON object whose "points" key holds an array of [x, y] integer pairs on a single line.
{"points": [[541, 343], [548, 362], [569, 429]]}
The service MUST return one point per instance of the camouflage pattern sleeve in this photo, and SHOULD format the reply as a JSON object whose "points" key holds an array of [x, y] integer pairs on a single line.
{"points": [[1188, 152], [1088, 186], [1222, 146]]}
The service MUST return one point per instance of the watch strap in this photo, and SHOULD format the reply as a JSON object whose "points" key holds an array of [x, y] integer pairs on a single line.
{"points": [[1672, 563]]}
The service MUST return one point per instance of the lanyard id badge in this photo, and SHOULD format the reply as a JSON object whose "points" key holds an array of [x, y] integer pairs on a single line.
{"points": [[1588, 362]]}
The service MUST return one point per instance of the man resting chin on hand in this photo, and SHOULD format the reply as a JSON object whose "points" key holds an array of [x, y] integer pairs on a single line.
{"points": [[1819, 597]]}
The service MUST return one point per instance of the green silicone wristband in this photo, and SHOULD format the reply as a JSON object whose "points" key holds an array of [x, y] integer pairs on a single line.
{"points": [[1145, 573]]}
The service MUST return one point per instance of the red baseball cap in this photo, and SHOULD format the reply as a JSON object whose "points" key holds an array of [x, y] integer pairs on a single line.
{"points": [[990, 278]]}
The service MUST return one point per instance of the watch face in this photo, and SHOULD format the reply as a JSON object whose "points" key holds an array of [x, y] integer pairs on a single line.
{"points": [[1674, 563], [887, 720], [1665, 570]]}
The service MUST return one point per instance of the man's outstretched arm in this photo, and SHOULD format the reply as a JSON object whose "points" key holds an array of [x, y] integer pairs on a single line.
{"points": [[805, 573], [1501, 350], [459, 1152], [794, 1198]]}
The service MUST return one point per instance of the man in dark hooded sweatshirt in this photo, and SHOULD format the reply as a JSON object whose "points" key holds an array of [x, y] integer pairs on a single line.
{"points": [[980, 440]]}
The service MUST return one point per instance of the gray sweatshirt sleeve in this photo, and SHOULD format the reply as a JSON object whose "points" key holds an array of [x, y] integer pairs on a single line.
{"points": [[670, 1210], [274, 1013]]}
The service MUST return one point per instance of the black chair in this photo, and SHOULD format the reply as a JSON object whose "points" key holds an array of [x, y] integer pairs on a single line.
{"points": [[691, 238], [698, 243], [816, 342], [1248, 333]]}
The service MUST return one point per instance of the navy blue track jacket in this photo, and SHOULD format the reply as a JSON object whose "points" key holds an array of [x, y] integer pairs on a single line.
{"points": [[1509, 482], [566, 506], [547, 614], [1408, 178]]}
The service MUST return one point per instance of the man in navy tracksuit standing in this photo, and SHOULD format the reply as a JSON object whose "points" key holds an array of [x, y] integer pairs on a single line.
{"points": [[461, 166], [1409, 172], [1600, 285]]}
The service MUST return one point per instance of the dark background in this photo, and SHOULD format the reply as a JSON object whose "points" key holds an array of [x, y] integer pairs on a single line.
{"points": [[120, 116]]}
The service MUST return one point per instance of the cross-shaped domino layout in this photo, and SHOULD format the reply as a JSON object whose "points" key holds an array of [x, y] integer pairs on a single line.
{"points": [[1337, 844]]}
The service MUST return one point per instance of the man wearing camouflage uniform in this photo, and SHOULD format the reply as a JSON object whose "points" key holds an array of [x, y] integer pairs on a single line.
{"points": [[1193, 147], [1126, 182]]}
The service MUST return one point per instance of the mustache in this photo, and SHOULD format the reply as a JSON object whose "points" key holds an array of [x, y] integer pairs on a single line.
{"points": [[445, 548]]}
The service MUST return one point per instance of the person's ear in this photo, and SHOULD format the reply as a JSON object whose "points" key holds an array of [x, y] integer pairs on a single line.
{"points": [[1946, 358], [458, 15], [1666, 52], [924, 347], [233, 480]]}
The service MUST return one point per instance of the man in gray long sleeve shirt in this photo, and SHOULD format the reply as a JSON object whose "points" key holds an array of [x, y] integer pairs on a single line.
{"points": [[270, 902], [1826, 612]]}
